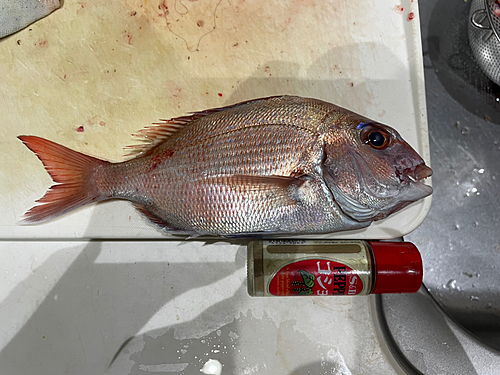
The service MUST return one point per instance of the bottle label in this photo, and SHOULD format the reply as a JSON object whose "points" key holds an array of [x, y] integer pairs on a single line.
{"points": [[319, 277]]}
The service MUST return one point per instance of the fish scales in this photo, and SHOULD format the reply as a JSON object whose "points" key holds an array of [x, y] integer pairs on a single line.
{"points": [[275, 165], [262, 142]]}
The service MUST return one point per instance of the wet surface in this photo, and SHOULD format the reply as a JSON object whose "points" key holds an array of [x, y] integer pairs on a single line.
{"points": [[460, 240]]}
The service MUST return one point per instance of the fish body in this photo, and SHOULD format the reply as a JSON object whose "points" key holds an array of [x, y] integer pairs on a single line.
{"points": [[279, 165]]}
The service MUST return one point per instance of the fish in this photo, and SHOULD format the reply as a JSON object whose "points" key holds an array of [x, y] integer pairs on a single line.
{"points": [[268, 166]]}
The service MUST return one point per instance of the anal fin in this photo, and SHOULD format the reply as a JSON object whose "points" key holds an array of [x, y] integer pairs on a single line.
{"points": [[159, 222]]}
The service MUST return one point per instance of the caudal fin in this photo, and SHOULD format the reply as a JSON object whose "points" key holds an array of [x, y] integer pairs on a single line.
{"points": [[70, 170]]}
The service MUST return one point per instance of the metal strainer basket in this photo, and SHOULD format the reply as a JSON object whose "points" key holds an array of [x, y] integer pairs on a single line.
{"points": [[484, 37]]}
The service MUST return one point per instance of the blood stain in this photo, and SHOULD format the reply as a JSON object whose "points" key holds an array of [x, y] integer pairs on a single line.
{"points": [[158, 159], [411, 16], [127, 36], [220, 94], [80, 129], [398, 9], [200, 23], [176, 92], [163, 6], [102, 123]]}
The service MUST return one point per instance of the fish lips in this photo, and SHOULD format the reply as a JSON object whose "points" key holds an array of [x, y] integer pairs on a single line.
{"points": [[412, 177]]}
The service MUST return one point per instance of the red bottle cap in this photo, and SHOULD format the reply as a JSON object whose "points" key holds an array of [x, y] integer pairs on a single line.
{"points": [[398, 267]]}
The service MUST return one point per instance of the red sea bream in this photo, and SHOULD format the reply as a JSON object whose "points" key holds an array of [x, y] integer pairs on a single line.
{"points": [[279, 165]]}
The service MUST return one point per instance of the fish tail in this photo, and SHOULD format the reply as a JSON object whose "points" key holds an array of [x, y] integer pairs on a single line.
{"points": [[71, 171]]}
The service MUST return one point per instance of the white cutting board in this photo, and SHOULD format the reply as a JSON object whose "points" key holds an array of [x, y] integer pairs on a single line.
{"points": [[93, 73]]}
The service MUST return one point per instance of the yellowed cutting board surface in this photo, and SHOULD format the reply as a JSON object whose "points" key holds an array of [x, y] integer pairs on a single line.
{"points": [[93, 73]]}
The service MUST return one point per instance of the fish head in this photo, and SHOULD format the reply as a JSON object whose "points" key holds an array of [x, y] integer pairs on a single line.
{"points": [[370, 170]]}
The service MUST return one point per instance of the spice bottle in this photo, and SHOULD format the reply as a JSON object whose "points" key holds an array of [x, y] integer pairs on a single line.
{"points": [[332, 267]]}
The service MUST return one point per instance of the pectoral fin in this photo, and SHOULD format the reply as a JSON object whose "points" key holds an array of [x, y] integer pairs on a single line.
{"points": [[275, 189]]}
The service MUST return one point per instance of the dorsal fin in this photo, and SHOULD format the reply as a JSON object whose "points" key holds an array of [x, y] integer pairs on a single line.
{"points": [[160, 131], [152, 136]]}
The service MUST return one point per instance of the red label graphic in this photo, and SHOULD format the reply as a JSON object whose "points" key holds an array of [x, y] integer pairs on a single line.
{"points": [[319, 277]]}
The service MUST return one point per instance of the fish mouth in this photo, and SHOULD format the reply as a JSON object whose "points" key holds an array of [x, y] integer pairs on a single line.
{"points": [[414, 175]]}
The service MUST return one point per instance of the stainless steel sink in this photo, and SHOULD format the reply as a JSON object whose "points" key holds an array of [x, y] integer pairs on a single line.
{"points": [[453, 326]]}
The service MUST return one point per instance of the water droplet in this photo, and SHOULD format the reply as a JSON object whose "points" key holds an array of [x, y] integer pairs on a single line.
{"points": [[456, 227], [470, 189], [451, 284], [184, 351], [474, 298], [212, 367], [465, 131], [219, 332], [475, 224]]}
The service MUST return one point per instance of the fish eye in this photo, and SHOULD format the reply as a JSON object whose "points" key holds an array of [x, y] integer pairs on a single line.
{"points": [[375, 137]]}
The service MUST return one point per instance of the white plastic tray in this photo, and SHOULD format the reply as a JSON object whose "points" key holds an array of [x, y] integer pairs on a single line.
{"points": [[75, 307], [110, 70]]}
